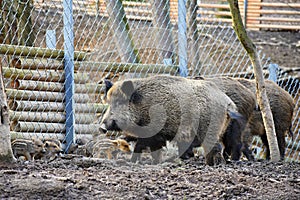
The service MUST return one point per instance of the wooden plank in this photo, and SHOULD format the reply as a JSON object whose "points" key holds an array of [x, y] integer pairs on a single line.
{"points": [[276, 19], [216, 13], [209, 5], [275, 4], [17, 50], [25, 135], [209, 19], [139, 10], [38, 127], [46, 64], [274, 26], [38, 106], [42, 75], [251, 8], [53, 127], [44, 96], [127, 67], [37, 63], [93, 88], [52, 117], [282, 12], [44, 136], [136, 4]]}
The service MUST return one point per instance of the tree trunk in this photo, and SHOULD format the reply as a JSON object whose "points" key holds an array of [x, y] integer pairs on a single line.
{"points": [[122, 36], [25, 29], [261, 94], [193, 36], [161, 21], [6, 154]]}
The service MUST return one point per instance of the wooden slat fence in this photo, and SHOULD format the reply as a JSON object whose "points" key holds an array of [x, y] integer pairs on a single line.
{"points": [[259, 15]]}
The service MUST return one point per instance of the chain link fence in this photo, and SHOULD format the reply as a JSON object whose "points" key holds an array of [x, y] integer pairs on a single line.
{"points": [[114, 40]]}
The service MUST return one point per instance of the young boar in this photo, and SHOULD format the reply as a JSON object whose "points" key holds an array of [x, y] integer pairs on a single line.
{"points": [[107, 148], [28, 148], [282, 107], [162, 108], [53, 149]]}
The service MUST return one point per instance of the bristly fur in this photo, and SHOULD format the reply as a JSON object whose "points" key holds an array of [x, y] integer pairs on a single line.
{"points": [[282, 107], [234, 137], [165, 108]]}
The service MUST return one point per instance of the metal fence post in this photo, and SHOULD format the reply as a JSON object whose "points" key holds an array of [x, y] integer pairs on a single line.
{"points": [[273, 72], [69, 71], [182, 38]]}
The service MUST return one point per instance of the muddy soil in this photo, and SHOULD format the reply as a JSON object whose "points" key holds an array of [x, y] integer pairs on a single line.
{"points": [[89, 178], [283, 47]]}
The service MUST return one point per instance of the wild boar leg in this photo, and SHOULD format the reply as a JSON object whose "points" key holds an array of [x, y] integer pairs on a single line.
{"points": [[213, 156]]}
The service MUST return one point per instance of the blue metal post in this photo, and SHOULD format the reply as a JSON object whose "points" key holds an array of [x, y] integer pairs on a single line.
{"points": [[69, 71], [273, 72], [182, 38]]}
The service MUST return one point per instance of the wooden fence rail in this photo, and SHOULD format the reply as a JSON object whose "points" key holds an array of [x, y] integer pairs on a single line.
{"points": [[259, 15]]}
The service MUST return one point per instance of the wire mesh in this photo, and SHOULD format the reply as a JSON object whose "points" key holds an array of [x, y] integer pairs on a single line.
{"points": [[118, 40]]}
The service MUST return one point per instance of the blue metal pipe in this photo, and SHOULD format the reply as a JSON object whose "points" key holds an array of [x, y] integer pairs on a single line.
{"points": [[182, 38], [69, 71]]}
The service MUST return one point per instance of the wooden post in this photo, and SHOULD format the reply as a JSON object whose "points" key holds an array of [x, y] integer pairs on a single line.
{"points": [[25, 30], [122, 36], [261, 94], [161, 21], [6, 154]]}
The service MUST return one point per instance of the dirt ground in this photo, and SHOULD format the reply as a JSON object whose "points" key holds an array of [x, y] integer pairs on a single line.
{"points": [[86, 178], [283, 47]]}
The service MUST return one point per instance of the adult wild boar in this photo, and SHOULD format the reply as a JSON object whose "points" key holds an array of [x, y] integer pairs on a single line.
{"points": [[282, 107], [235, 138], [164, 108]]}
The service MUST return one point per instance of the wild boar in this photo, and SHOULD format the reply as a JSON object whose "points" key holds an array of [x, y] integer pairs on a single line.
{"points": [[53, 149], [107, 148], [234, 139], [165, 108], [28, 148], [282, 107]]}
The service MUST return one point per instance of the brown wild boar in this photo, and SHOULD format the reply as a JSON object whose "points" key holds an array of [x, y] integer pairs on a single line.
{"points": [[282, 107], [28, 148], [233, 139], [162, 108]]}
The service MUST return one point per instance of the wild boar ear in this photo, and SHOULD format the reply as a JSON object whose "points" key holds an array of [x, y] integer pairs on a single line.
{"points": [[108, 85], [127, 88], [46, 144]]}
